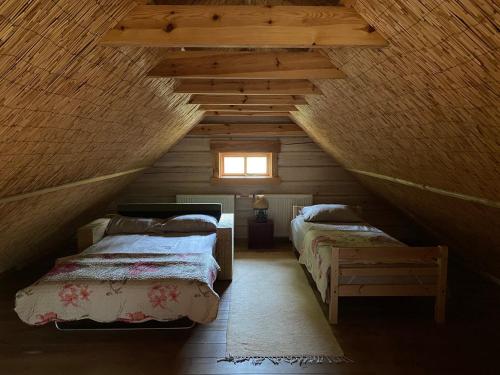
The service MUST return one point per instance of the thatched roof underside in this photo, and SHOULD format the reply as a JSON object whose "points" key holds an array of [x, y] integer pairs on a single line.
{"points": [[78, 121]]}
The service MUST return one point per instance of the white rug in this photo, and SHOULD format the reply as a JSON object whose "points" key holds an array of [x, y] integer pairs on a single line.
{"points": [[274, 314]]}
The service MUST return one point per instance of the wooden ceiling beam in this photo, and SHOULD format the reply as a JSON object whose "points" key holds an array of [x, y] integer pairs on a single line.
{"points": [[246, 113], [248, 26], [243, 65], [219, 130], [249, 99], [248, 108], [246, 87]]}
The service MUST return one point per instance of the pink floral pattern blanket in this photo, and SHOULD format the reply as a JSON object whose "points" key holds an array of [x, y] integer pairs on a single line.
{"points": [[108, 286]]}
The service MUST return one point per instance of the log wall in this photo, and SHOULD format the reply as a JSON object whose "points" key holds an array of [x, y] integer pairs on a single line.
{"points": [[302, 167]]}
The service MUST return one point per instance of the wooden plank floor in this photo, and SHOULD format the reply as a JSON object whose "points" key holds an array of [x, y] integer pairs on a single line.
{"points": [[383, 336]]}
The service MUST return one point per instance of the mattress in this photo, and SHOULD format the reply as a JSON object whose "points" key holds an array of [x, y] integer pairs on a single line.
{"points": [[130, 278], [316, 242]]}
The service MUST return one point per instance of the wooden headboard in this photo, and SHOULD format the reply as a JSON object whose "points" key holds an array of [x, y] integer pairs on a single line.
{"points": [[166, 210]]}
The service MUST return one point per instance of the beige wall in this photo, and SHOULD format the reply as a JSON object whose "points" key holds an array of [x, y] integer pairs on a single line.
{"points": [[302, 166]]}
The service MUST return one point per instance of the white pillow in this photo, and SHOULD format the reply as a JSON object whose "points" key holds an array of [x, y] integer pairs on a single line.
{"points": [[333, 213], [191, 223]]}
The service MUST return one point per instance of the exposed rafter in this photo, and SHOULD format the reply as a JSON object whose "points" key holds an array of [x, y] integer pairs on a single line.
{"points": [[248, 108], [247, 87], [249, 99], [242, 26], [242, 65], [289, 130], [246, 113]]}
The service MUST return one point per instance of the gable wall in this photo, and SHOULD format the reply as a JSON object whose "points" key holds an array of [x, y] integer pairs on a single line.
{"points": [[303, 168]]}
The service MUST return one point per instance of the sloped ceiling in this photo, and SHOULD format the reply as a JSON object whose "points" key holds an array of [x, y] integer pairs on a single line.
{"points": [[423, 111], [70, 112]]}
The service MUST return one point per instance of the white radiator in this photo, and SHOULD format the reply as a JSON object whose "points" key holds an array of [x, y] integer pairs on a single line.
{"points": [[280, 210], [227, 201]]}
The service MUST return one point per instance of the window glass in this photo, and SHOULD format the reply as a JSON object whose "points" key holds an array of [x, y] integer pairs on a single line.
{"points": [[234, 165], [245, 164], [257, 165]]}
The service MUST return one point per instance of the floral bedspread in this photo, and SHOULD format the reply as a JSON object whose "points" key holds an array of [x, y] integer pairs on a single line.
{"points": [[317, 250], [112, 282]]}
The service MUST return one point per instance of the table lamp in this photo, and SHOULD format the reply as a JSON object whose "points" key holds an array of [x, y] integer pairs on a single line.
{"points": [[260, 206]]}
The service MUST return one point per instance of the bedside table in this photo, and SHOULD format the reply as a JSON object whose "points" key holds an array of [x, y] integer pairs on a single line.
{"points": [[260, 235]]}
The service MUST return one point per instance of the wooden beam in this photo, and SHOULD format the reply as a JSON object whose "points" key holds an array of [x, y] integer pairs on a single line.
{"points": [[242, 65], [249, 99], [243, 26], [246, 113], [289, 130], [246, 87], [364, 290], [248, 108]]}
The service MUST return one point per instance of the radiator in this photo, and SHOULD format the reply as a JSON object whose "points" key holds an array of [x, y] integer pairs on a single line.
{"points": [[227, 201], [280, 210]]}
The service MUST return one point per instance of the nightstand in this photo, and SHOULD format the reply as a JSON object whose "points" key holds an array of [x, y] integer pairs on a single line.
{"points": [[260, 235]]}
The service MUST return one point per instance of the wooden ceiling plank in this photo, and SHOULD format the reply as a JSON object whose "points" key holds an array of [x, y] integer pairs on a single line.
{"points": [[249, 99], [247, 65], [246, 87], [290, 130], [248, 108], [249, 26], [246, 113]]}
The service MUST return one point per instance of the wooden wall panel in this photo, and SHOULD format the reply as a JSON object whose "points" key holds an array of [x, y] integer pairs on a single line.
{"points": [[302, 166]]}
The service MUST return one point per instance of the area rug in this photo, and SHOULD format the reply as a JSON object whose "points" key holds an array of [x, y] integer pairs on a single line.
{"points": [[274, 314]]}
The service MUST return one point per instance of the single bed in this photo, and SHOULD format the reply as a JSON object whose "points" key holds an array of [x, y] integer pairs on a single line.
{"points": [[357, 259], [131, 278]]}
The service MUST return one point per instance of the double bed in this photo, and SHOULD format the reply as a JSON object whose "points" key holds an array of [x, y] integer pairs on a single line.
{"points": [[357, 259], [135, 277]]}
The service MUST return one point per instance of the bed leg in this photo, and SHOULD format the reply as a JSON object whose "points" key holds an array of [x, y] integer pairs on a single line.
{"points": [[334, 287], [440, 305]]}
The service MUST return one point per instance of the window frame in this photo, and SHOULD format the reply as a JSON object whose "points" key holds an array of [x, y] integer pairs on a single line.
{"points": [[219, 147], [245, 156]]}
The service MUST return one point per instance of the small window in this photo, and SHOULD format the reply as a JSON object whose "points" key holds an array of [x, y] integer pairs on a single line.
{"points": [[245, 164]]}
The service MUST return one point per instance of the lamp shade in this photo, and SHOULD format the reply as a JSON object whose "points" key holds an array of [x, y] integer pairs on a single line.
{"points": [[260, 203]]}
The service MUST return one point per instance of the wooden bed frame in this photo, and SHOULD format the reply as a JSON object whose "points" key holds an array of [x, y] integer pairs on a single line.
{"points": [[387, 261]]}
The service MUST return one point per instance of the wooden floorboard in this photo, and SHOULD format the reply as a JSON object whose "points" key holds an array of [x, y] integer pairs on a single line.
{"points": [[382, 335]]}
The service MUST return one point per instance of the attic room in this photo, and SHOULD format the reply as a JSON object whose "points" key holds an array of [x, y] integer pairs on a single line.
{"points": [[249, 187]]}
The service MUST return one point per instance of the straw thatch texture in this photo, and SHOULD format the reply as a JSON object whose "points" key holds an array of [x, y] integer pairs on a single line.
{"points": [[425, 110], [71, 110]]}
